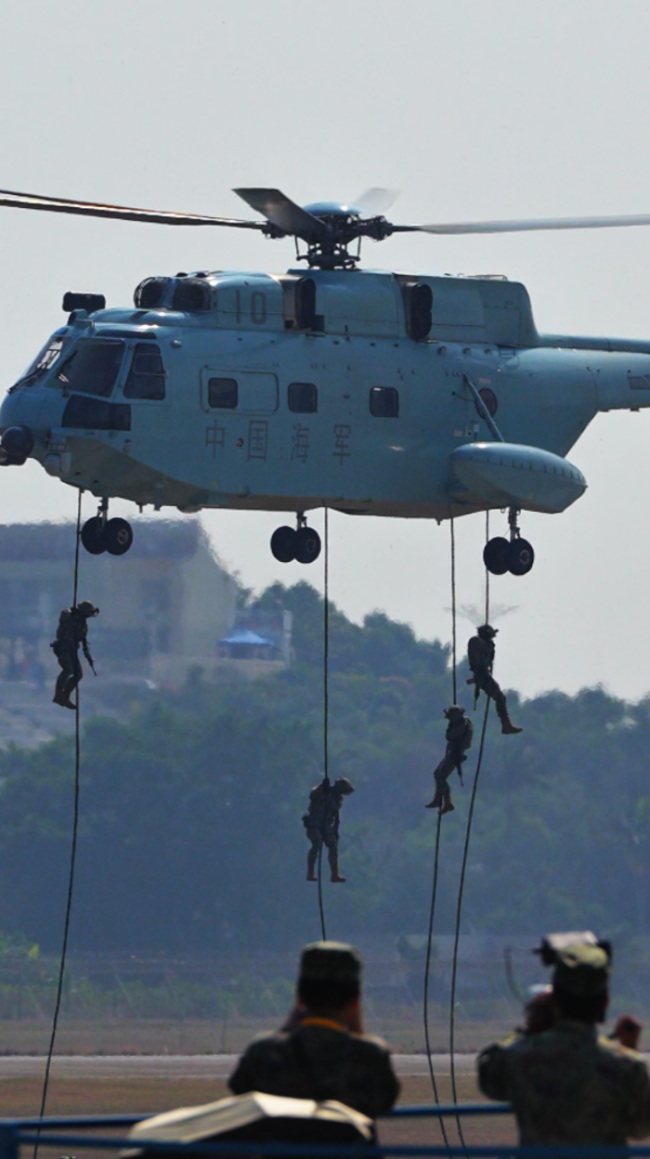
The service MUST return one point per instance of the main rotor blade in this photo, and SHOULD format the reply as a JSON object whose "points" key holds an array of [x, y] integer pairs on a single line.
{"points": [[540, 223], [284, 213], [12, 200], [375, 201]]}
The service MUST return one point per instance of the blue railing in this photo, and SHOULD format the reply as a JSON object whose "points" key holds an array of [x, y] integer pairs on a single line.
{"points": [[85, 1131]]}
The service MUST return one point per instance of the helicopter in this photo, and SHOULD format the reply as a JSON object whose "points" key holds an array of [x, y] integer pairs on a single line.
{"points": [[364, 391]]}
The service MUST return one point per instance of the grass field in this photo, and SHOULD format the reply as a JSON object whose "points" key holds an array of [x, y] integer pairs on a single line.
{"points": [[204, 1036]]}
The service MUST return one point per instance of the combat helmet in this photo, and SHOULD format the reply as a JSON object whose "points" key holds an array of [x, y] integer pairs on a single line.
{"points": [[343, 786], [581, 962], [454, 710], [487, 632], [87, 609]]}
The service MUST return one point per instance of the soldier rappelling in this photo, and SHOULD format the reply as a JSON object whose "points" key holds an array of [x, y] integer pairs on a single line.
{"points": [[70, 634], [460, 731], [321, 823], [480, 653]]}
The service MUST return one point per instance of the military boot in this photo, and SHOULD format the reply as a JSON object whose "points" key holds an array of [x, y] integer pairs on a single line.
{"points": [[507, 727], [437, 801], [448, 807], [334, 867]]}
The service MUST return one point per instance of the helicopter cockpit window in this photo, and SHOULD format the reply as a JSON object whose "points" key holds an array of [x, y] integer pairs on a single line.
{"points": [[93, 366], [192, 294], [222, 393], [147, 374], [302, 397], [44, 361], [384, 402]]}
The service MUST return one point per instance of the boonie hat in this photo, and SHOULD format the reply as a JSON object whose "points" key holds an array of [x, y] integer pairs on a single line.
{"points": [[582, 969], [330, 962]]}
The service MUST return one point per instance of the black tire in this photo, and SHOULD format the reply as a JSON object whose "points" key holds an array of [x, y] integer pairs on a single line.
{"points": [[307, 545], [92, 536], [496, 555], [118, 536], [521, 557], [283, 544]]}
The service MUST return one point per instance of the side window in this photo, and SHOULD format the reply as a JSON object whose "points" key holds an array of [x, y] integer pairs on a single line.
{"points": [[302, 397], [384, 402], [222, 393], [147, 374]]}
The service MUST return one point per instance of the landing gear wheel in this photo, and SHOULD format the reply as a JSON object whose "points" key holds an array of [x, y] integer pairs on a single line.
{"points": [[284, 544], [496, 555], [118, 536], [92, 535], [307, 545], [521, 557]]}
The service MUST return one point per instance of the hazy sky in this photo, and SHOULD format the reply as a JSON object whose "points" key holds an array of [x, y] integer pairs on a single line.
{"points": [[474, 110]]}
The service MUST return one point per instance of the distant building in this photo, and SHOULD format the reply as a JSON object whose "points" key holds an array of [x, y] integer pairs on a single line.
{"points": [[260, 643], [242, 644], [164, 606]]}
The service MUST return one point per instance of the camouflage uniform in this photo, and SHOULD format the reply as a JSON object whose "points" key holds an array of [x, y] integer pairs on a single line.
{"points": [[480, 653], [71, 632], [321, 1059], [321, 823], [569, 1085], [459, 734]]}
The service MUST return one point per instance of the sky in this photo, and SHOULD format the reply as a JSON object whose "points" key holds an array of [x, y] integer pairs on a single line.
{"points": [[479, 109]]}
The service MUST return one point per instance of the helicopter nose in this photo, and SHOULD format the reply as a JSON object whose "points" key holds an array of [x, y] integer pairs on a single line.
{"points": [[15, 445]]}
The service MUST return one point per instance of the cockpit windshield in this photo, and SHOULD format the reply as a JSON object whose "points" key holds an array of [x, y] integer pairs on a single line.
{"points": [[44, 361], [92, 367]]}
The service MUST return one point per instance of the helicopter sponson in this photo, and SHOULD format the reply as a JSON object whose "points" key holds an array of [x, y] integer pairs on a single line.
{"points": [[368, 392]]}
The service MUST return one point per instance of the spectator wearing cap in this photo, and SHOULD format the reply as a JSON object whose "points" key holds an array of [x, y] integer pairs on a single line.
{"points": [[569, 1085], [322, 1053]]}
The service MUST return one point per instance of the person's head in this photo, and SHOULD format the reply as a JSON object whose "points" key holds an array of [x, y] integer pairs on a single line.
{"points": [[87, 610], [581, 982], [454, 713], [329, 980], [487, 632], [342, 787]]}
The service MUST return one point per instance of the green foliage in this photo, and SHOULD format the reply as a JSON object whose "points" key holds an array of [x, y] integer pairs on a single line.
{"points": [[191, 836]]}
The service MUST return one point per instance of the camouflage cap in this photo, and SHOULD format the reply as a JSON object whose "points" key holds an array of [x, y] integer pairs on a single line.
{"points": [[582, 969], [330, 962]]}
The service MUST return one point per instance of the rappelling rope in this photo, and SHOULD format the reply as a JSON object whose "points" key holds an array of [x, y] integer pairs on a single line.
{"points": [[461, 886], [453, 614], [427, 966], [73, 853], [459, 906], [487, 574], [434, 885], [326, 642]]}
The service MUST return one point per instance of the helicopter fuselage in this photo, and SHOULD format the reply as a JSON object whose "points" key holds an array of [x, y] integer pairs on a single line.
{"points": [[354, 390]]}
